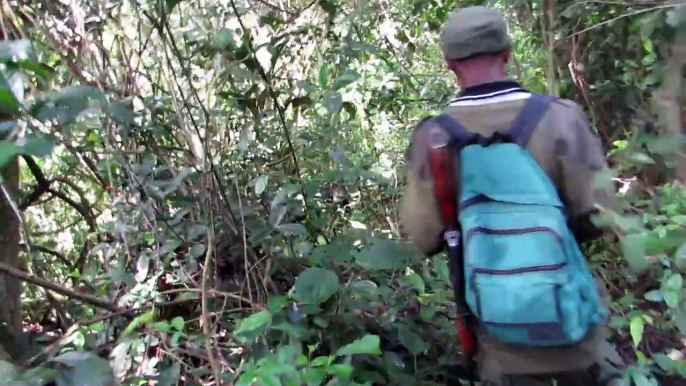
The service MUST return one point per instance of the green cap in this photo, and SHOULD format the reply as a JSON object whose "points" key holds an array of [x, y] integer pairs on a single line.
{"points": [[473, 31]]}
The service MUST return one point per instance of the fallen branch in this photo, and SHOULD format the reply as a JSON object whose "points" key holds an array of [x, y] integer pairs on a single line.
{"points": [[90, 299]]}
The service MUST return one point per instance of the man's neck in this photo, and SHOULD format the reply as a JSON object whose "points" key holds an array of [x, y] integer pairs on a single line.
{"points": [[481, 79]]}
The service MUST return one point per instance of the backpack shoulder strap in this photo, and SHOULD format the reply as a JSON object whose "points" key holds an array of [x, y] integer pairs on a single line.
{"points": [[526, 122], [459, 134]]}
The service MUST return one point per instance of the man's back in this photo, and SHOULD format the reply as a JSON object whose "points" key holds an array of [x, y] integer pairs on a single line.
{"points": [[571, 155]]}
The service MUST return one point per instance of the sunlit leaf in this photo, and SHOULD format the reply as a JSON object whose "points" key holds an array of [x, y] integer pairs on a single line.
{"points": [[178, 323], [671, 298], [253, 325], [675, 281], [261, 184], [653, 296], [368, 344], [323, 76], [636, 329]]}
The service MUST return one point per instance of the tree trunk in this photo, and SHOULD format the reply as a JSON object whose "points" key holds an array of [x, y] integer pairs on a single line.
{"points": [[10, 288]]}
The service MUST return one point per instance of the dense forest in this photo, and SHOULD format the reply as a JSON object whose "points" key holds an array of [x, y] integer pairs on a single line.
{"points": [[206, 191]]}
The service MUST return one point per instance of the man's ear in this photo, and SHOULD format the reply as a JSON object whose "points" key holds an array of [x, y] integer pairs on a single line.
{"points": [[507, 54], [451, 64]]}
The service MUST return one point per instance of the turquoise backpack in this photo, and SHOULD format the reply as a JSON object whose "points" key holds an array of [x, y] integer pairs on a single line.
{"points": [[526, 280]]}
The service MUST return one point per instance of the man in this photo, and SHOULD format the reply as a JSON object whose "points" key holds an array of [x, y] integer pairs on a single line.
{"points": [[477, 49]]}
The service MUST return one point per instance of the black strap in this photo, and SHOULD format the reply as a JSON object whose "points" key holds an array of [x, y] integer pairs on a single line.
{"points": [[526, 122], [459, 134], [520, 132]]}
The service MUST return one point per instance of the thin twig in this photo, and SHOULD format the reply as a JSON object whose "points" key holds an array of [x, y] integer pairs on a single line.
{"points": [[206, 324]]}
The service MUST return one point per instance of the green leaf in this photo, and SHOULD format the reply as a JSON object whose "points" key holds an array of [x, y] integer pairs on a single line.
{"points": [[417, 282], [8, 101], [442, 270], [292, 229], [636, 329], [323, 75], [315, 285], [254, 322], [410, 340], [675, 281], [328, 6], [37, 146], [648, 44], [68, 103], [366, 287], [341, 370], [161, 326], [665, 362], [7, 151], [313, 376], [679, 256], [321, 361], [14, 50], [267, 377], [345, 80], [641, 158], [84, 370], [41, 70], [382, 254], [178, 323], [169, 7], [671, 298], [261, 184], [368, 344], [634, 249], [282, 194], [332, 101], [170, 375], [277, 215], [653, 296], [680, 320]]}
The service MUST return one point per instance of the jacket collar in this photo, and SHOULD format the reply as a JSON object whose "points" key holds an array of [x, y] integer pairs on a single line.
{"points": [[498, 87]]}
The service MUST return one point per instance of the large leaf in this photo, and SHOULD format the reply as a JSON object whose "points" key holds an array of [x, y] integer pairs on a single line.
{"points": [[410, 340], [9, 104], [345, 80], [383, 254], [368, 344], [292, 229], [636, 327], [332, 102], [14, 50], [7, 151], [37, 145], [254, 321], [253, 325], [315, 285], [68, 103], [84, 369], [170, 375]]}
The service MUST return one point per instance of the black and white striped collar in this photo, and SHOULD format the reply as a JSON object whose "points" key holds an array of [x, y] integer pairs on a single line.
{"points": [[491, 93]]}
